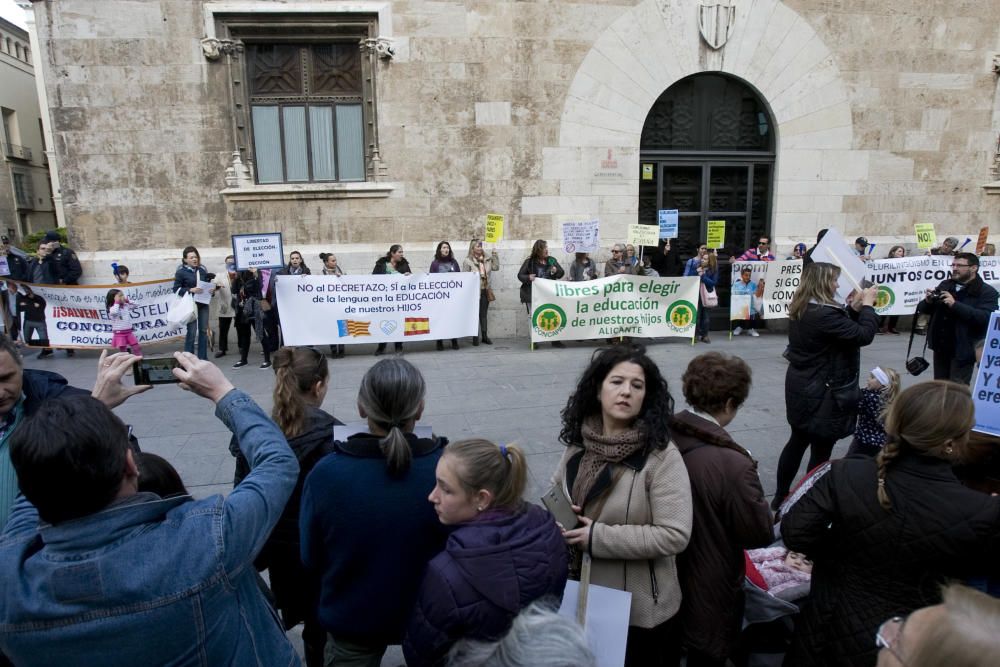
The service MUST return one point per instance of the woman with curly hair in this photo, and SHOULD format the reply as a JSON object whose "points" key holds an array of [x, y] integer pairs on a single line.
{"points": [[884, 534], [629, 486]]}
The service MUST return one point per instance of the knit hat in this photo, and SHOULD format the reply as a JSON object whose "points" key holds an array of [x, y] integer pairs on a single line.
{"points": [[51, 236]]}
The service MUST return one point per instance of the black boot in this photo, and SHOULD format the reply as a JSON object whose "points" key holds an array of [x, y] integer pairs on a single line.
{"points": [[475, 341], [486, 339], [439, 345], [454, 343]]}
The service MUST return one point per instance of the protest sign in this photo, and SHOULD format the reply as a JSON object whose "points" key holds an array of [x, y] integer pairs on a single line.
{"points": [[780, 283], [716, 237], [668, 224], [621, 305], [581, 236], [4, 267], [605, 620], [76, 315], [744, 302], [339, 310], [643, 234], [984, 235], [986, 395], [903, 281], [494, 228], [834, 249], [647, 172], [926, 238], [989, 271], [205, 295], [258, 251]]}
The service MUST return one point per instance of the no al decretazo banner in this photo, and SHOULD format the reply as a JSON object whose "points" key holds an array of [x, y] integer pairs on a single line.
{"points": [[343, 310], [616, 306], [76, 315]]}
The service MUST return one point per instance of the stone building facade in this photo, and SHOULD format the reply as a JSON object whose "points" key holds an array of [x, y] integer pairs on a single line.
{"points": [[184, 122]]}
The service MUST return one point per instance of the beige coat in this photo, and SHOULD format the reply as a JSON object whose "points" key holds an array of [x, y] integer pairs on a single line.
{"points": [[222, 301], [492, 263], [644, 518]]}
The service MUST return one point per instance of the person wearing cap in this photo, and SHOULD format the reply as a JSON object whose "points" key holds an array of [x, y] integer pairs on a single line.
{"points": [[949, 247], [762, 253], [861, 247]]}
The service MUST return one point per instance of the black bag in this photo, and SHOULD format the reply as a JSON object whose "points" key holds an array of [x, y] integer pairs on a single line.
{"points": [[837, 414], [916, 365]]}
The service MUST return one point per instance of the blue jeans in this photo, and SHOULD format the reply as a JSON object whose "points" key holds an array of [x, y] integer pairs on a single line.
{"points": [[701, 329], [198, 327]]}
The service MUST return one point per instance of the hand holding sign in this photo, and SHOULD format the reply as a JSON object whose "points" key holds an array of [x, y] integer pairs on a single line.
{"points": [[494, 228]]}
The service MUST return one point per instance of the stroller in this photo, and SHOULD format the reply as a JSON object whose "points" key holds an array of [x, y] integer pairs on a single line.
{"points": [[769, 619]]}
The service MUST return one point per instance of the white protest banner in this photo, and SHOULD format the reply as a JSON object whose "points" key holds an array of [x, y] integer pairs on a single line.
{"points": [[339, 310], [745, 302], [780, 283], [834, 249], [258, 251], [639, 234], [989, 271], [668, 223], [581, 236], [902, 281], [605, 620], [986, 395], [621, 305], [77, 316]]}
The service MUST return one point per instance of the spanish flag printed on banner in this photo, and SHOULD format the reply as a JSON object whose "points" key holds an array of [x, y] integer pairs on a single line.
{"points": [[416, 326], [352, 328]]}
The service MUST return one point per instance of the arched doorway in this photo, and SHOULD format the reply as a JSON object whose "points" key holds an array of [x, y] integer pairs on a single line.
{"points": [[707, 150]]}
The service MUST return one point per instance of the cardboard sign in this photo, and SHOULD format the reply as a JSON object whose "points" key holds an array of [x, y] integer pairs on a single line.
{"points": [[986, 395], [668, 223], [258, 251], [834, 249], [647, 172], [605, 621], [925, 235], [984, 235], [643, 235], [716, 234], [581, 236], [494, 228]]}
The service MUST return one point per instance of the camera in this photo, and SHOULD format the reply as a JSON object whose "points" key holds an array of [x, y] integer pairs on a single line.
{"points": [[935, 296]]}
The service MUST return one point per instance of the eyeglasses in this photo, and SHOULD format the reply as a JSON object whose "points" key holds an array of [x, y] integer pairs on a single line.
{"points": [[960, 266], [615, 250], [887, 636]]}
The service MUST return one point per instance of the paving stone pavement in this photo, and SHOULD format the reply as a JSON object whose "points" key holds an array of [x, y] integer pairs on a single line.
{"points": [[504, 392]]}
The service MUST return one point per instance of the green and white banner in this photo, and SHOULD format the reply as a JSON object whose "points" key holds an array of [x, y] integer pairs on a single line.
{"points": [[621, 305]]}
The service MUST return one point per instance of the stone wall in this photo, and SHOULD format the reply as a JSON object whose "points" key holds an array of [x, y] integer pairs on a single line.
{"points": [[885, 114]]}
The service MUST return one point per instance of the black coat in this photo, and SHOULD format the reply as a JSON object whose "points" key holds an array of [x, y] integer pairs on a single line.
{"points": [[730, 515], [824, 348], [49, 271], [533, 268], [67, 265], [18, 266], [185, 278], [958, 328], [870, 564], [295, 589], [402, 267]]}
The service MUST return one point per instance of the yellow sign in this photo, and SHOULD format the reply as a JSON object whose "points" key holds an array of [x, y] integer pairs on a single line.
{"points": [[925, 235], [647, 172], [716, 233], [494, 228], [644, 234]]}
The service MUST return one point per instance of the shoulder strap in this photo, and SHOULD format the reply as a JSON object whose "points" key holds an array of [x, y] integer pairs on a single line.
{"points": [[913, 331]]}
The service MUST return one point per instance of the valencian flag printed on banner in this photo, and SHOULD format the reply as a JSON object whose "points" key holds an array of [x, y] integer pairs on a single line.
{"points": [[416, 326], [377, 308], [621, 305], [353, 328], [76, 316]]}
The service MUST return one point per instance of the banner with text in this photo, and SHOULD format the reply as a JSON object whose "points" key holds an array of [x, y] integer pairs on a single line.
{"points": [[746, 299], [344, 310], [986, 394], [621, 305], [76, 315]]}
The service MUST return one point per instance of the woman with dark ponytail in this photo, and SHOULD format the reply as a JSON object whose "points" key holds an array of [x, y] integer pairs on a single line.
{"points": [[301, 381], [367, 530], [884, 534], [503, 554]]}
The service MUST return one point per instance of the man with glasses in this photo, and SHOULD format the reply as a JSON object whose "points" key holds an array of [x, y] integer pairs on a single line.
{"points": [[960, 310], [762, 253], [617, 264]]}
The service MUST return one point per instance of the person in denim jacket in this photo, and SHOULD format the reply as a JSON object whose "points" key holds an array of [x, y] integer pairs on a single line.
{"points": [[96, 573]]}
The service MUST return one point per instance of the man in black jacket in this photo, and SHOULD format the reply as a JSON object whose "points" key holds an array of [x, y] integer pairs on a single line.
{"points": [[960, 310], [67, 263]]}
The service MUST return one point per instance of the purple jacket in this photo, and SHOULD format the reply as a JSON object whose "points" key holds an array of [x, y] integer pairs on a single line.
{"points": [[490, 569]]}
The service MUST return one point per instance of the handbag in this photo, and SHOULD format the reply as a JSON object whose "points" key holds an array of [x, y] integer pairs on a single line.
{"points": [[836, 415], [709, 298], [916, 365], [181, 310], [490, 296]]}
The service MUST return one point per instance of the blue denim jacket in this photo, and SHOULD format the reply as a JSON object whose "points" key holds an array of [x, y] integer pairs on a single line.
{"points": [[149, 581]]}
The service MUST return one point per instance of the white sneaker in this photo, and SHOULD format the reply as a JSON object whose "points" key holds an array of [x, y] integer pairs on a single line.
{"points": [[737, 331], [753, 332]]}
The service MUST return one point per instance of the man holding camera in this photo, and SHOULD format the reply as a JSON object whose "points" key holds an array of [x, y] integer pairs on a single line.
{"points": [[91, 568], [960, 310]]}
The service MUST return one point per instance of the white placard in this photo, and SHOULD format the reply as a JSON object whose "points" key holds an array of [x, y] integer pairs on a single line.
{"points": [[584, 236], [606, 621], [258, 251], [834, 249], [205, 295], [339, 310], [986, 395]]}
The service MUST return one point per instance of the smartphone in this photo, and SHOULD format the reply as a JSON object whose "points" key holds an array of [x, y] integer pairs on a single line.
{"points": [[154, 371], [559, 505]]}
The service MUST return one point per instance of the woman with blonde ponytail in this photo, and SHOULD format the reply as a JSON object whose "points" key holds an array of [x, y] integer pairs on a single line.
{"points": [[884, 534], [367, 529], [301, 381], [502, 555]]}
